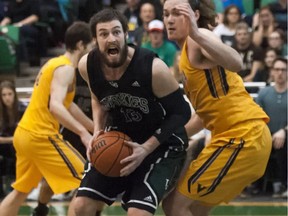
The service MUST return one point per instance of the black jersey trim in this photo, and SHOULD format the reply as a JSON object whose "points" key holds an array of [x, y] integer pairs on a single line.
{"points": [[225, 169], [213, 157], [211, 83], [64, 157], [224, 84]]}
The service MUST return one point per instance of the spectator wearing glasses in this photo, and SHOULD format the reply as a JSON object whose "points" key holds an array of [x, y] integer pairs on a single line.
{"points": [[273, 99], [226, 30], [276, 40]]}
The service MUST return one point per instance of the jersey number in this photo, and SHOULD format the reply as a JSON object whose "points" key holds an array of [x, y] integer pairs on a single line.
{"points": [[131, 115]]}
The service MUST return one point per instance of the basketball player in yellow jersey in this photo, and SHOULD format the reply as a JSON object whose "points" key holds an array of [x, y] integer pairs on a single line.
{"points": [[40, 149], [241, 143]]}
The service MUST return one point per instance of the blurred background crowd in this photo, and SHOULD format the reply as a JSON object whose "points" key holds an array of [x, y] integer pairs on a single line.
{"points": [[256, 29]]}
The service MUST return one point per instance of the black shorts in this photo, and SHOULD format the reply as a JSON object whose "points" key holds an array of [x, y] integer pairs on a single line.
{"points": [[142, 189]]}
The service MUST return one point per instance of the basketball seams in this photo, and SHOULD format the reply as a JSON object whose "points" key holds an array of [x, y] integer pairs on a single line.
{"points": [[117, 158], [110, 166], [108, 145]]}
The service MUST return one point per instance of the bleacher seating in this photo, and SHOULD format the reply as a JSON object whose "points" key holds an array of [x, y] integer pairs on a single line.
{"points": [[24, 93], [9, 38]]}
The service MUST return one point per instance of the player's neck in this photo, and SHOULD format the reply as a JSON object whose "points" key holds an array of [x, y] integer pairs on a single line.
{"points": [[111, 73], [73, 57]]}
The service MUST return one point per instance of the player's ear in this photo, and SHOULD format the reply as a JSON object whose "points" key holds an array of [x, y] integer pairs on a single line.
{"points": [[197, 14], [80, 45], [95, 41]]}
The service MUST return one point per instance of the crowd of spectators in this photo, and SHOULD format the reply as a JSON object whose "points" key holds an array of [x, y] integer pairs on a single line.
{"points": [[256, 29]]}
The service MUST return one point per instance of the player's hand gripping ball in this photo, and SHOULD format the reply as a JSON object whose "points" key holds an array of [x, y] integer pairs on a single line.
{"points": [[107, 152]]}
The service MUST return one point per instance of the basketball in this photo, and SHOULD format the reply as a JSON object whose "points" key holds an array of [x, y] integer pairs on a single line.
{"points": [[107, 152]]}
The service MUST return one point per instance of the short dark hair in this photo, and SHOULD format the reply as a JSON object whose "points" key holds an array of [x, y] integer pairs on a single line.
{"points": [[107, 15], [281, 59], [207, 12], [195, 4], [77, 31]]}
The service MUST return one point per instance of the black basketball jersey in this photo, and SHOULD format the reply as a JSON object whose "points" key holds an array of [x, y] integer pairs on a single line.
{"points": [[132, 107]]}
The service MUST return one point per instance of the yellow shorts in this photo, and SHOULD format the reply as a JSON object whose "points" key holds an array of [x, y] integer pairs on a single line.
{"points": [[230, 162], [45, 156]]}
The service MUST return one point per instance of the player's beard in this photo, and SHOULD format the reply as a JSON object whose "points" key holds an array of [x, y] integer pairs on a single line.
{"points": [[122, 53]]}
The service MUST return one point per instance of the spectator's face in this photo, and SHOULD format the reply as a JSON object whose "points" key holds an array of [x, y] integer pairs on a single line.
{"points": [[275, 41], [266, 17], [147, 13], [111, 43], [269, 58], [242, 37], [279, 72], [156, 37], [233, 15], [8, 97], [132, 3]]}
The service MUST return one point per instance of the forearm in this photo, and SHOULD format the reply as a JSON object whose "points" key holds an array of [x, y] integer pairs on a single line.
{"points": [[194, 125], [178, 113], [5, 21], [64, 117], [77, 113], [257, 38], [6, 140], [257, 65], [99, 116], [29, 20], [218, 52]]}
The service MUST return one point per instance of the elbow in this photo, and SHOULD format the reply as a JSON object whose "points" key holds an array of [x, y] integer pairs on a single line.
{"points": [[237, 64], [53, 109], [187, 113]]}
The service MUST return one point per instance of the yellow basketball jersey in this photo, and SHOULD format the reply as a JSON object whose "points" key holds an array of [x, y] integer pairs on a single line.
{"points": [[37, 117], [218, 96]]}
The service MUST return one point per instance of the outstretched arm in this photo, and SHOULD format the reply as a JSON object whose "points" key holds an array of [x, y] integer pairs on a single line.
{"points": [[213, 51]]}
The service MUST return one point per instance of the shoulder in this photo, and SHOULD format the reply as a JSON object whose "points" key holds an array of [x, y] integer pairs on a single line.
{"points": [[159, 68], [162, 80], [265, 91], [83, 61]]}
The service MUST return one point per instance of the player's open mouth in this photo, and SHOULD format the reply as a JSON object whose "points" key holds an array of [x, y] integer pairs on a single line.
{"points": [[171, 29], [113, 51]]}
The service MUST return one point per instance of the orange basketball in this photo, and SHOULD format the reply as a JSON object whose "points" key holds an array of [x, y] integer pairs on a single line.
{"points": [[107, 152]]}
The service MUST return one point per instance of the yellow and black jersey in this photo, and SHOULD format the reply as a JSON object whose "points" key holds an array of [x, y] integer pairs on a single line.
{"points": [[37, 118], [218, 96]]}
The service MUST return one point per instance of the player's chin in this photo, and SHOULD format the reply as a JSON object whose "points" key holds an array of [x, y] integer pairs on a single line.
{"points": [[172, 36]]}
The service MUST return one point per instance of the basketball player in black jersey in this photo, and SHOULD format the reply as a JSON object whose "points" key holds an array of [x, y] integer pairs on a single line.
{"points": [[132, 91]]}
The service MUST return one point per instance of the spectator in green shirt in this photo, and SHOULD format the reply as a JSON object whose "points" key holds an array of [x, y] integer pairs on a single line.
{"points": [[165, 49]]}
